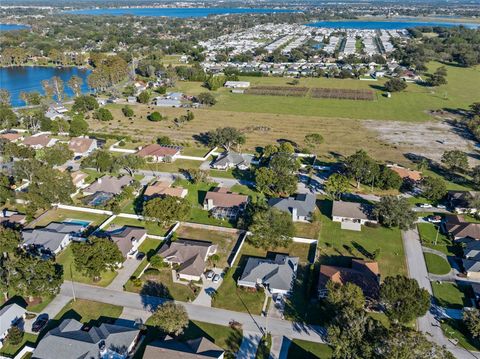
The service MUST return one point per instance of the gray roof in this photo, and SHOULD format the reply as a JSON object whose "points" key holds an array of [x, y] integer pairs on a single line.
{"points": [[352, 210], [9, 315], [172, 349], [68, 340], [51, 236], [470, 265], [304, 203], [472, 250], [233, 158], [109, 184], [278, 273]]}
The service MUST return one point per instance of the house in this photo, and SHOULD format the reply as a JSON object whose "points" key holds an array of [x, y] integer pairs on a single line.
{"points": [[161, 189], [11, 136], [55, 112], [165, 102], [237, 84], [54, 237], [459, 201], [301, 207], [471, 251], [352, 215], [72, 340], [362, 273], [176, 96], [472, 268], [406, 173], [11, 218], [229, 160], [128, 239], [108, 184], [159, 153], [10, 315], [39, 141], [189, 255], [131, 99], [170, 348], [461, 230], [78, 178], [275, 275], [224, 204], [82, 146]]}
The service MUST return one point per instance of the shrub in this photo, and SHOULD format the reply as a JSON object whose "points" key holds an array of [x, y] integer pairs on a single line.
{"points": [[14, 336], [103, 114], [395, 85], [127, 111], [155, 116]]}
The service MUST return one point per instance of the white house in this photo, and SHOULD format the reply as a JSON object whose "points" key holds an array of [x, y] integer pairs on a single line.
{"points": [[237, 84], [10, 315], [352, 215]]}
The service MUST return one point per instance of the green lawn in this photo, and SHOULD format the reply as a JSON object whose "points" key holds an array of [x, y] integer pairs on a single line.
{"points": [[9, 350], [263, 351], [173, 167], [195, 151], [301, 349], [307, 230], [65, 258], [428, 235], [87, 311], [409, 105], [456, 329], [335, 244], [151, 227], [451, 295], [60, 215], [436, 264]]}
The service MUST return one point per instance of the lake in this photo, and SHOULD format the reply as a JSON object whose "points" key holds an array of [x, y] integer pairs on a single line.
{"points": [[29, 78], [173, 12], [385, 25], [11, 27]]}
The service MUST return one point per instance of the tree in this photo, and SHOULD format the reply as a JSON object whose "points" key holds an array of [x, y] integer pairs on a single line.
{"points": [[335, 185], [131, 163], [84, 104], [14, 335], [58, 89], [271, 228], [438, 77], [471, 318], [404, 299], [388, 179], [103, 114], [476, 175], [8, 119], [345, 296], [206, 98], [196, 175], [56, 155], [78, 126], [144, 97], [101, 160], [455, 160], [95, 256], [5, 97], [393, 211], [75, 84], [157, 262], [395, 85], [127, 111], [164, 140], [214, 82], [9, 240], [155, 116], [434, 188], [170, 318], [165, 211], [226, 137], [313, 139], [6, 191], [361, 168]]}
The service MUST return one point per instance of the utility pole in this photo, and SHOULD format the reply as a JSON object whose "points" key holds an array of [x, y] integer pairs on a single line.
{"points": [[436, 237], [73, 286]]}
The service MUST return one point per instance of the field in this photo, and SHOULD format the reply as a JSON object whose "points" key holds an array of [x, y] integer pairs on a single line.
{"points": [[428, 235], [151, 227], [91, 312]]}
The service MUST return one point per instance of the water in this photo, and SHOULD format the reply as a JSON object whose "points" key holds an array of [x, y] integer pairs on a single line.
{"points": [[385, 25], [77, 221], [11, 27], [174, 12], [29, 78]]}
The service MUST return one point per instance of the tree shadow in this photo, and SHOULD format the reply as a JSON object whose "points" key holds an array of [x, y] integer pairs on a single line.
{"points": [[362, 250], [378, 87], [155, 289], [201, 138]]}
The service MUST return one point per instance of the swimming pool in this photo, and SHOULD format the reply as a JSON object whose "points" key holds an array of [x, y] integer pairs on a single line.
{"points": [[77, 221]]}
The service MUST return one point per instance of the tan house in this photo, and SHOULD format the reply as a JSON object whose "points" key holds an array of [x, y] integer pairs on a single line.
{"points": [[39, 141], [82, 146], [189, 256], [406, 173], [11, 136], [161, 188], [224, 204], [352, 215], [128, 239], [159, 153], [169, 348], [108, 184]]}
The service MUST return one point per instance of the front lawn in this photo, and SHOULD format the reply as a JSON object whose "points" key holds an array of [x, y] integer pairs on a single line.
{"points": [[91, 312], [9, 350], [301, 349], [436, 264], [432, 238], [451, 295], [456, 329], [337, 246], [65, 258], [173, 167]]}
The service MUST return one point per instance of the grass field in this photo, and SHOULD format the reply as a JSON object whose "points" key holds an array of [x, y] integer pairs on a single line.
{"points": [[151, 227], [436, 264], [428, 235], [451, 295], [87, 311], [301, 349], [336, 243]]}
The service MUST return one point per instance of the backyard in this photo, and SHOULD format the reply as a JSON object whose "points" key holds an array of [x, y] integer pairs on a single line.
{"points": [[61, 215], [151, 227]]}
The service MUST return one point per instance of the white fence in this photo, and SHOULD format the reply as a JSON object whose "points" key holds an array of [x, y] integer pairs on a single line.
{"points": [[84, 209]]}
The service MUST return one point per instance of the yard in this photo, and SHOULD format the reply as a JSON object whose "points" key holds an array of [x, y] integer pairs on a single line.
{"points": [[456, 329], [450, 295], [65, 258], [301, 349], [432, 238], [436, 264], [224, 240], [60, 215], [335, 244], [10, 351], [87, 311], [151, 227]]}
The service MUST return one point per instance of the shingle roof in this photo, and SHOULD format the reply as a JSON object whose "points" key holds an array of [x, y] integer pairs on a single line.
{"points": [[158, 151], [10, 314], [42, 140], [163, 188], [80, 144], [352, 210], [172, 349], [69, 341], [471, 265], [109, 184], [277, 273], [304, 203], [51, 236], [407, 173], [464, 229], [234, 159], [221, 197], [124, 237], [459, 199]]}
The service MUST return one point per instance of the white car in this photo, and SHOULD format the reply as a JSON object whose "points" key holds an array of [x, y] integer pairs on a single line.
{"points": [[209, 275], [425, 205], [216, 278], [441, 206]]}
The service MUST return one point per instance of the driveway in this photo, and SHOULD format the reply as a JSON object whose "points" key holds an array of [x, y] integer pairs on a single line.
{"points": [[52, 309], [123, 274], [204, 298], [249, 346]]}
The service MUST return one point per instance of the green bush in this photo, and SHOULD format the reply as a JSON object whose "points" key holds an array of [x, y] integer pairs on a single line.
{"points": [[155, 116]]}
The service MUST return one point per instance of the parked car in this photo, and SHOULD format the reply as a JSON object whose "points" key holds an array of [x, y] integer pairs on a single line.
{"points": [[209, 275], [216, 278], [441, 206], [140, 256], [425, 205], [40, 323], [434, 219]]}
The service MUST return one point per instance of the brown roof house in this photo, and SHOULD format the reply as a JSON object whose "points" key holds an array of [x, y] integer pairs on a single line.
{"points": [[82, 146], [161, 188], [406, 173], [352, 215], [159, 153], [39, 141], [11, 136], [12, 218], [188, 257], [224, 204], [128, 239], [108, 184], [362, 273], [169, 348], [461, 230]]}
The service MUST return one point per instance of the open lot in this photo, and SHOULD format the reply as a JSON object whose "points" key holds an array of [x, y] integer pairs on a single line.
{"points": [[336, 243], [151, 227]]}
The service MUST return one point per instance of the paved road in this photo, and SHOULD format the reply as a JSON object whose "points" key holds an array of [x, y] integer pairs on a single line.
{"points": [[417, 269], [145, 304], [249, 346]]}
